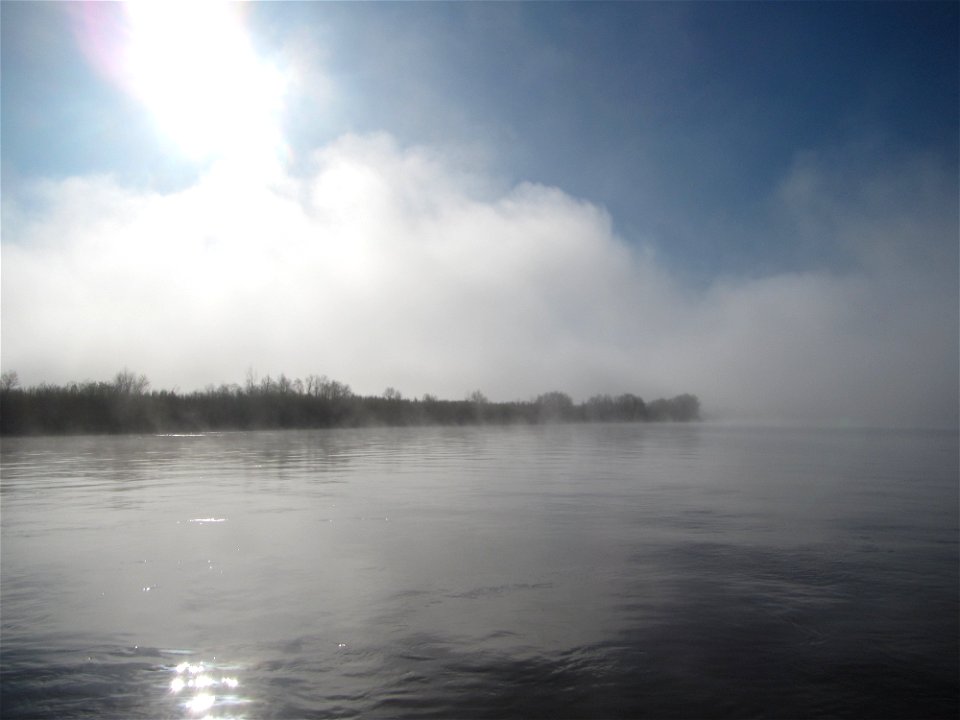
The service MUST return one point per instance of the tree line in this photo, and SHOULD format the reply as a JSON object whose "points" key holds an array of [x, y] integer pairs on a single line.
{"points": [[128, 405]]}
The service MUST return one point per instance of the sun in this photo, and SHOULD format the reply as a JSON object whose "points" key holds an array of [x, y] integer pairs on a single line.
{"points": [[194, 68]]}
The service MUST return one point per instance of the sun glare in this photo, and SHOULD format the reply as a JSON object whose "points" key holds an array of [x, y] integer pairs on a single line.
{"points": [[194, 68]]}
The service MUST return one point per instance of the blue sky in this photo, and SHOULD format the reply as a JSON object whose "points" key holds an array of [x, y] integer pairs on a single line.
{"points": [[738, 159]]}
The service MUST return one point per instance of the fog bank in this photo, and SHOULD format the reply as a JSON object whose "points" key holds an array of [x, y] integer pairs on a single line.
{"points": [[389, 266]]}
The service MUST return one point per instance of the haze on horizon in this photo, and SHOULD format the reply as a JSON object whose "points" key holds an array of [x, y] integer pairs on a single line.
{"points": [[753, 203]]}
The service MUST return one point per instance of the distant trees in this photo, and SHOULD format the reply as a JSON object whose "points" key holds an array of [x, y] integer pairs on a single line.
{"points": [[623, 408], [681, 408], [95, 407], [128, 405], [554, 406], [129, 383], [323, 387]]}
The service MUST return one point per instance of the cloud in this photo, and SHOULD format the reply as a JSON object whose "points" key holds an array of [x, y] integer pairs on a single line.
{"points": [[385, 265]]}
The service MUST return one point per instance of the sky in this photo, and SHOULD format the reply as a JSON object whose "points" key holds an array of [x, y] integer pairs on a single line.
{"points": [[753, 202]]}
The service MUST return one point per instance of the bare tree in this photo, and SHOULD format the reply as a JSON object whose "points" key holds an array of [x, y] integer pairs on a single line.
{"points": [[478, 398], [129, 383]]}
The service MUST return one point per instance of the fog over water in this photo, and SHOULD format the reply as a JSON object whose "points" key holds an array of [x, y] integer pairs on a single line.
{"points": [[754, 203], [391, 266], [757, 204]]}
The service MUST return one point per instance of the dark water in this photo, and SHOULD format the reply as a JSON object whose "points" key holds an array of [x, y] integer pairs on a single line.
{"points": [[618, 571]]}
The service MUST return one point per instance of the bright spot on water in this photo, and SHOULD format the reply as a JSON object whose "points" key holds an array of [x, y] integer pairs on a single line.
{"points": [[202, 681], [198, 680], [186, 667], [208, 520], [200, 703]]}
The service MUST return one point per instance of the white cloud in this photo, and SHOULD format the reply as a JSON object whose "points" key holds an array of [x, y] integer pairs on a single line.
{"points": [[385, 266]]}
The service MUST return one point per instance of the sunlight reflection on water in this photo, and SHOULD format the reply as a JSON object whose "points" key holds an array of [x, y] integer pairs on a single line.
{"points": [[205, 686], [526, 572]]}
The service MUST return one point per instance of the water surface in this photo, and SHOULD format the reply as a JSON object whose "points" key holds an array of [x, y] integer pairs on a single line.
{"points": [[565, 571]]}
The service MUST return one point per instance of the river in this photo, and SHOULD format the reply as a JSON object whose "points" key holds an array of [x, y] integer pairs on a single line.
{"points": [[568, 571]]}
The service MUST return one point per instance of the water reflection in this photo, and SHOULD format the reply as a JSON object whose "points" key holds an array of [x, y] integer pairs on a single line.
{"points": [[608, 571], [205, 689]]}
